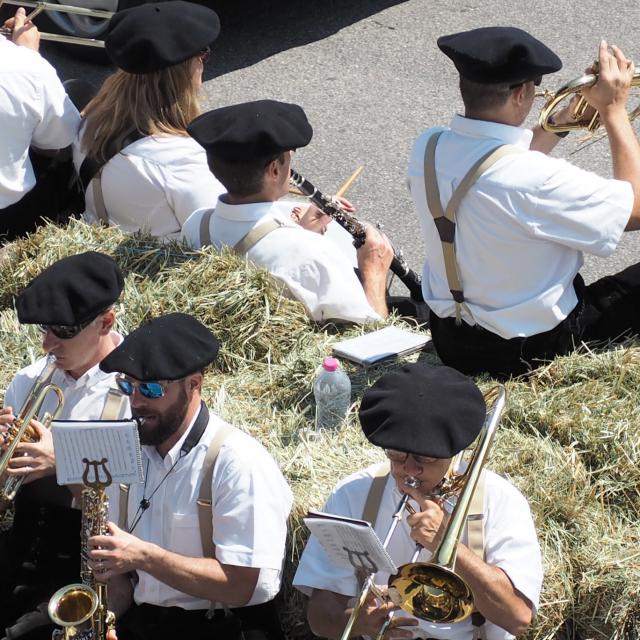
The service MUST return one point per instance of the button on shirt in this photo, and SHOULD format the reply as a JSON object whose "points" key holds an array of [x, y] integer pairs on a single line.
{"points": [[84, 398], [314, 269], [521, 229], [510, 543], [251, 503], [34, 110], [153, 185]]}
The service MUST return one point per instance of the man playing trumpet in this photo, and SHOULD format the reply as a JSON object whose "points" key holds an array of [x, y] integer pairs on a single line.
{"points": [[502, 278], [422, 416]]}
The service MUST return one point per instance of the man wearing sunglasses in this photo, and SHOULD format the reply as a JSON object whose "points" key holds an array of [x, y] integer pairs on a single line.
{"points": [[506, 226], [72, 302], [422, 416], [210, 565]]}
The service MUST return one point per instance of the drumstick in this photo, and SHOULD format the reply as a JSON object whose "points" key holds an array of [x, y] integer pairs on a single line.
{"points": [[345, 187]]}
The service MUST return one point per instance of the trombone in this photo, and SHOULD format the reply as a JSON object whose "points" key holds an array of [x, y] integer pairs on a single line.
{"points": [[432, 590], [39, 7]]}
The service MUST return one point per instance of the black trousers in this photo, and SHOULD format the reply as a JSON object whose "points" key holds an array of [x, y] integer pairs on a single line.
{"points": [[149, 622], [607, 310]]}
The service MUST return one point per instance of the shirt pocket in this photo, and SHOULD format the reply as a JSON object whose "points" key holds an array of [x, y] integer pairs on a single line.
{"points": [[184, 537]]}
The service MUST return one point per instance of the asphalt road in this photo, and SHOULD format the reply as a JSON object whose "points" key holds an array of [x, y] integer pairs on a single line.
{"points": [[371, 78]]}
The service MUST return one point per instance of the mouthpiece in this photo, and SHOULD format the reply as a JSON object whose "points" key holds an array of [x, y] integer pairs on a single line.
{"points": [[411, 482]]}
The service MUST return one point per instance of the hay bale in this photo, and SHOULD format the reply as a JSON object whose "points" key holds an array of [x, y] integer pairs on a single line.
{"points": [[570, 439]]}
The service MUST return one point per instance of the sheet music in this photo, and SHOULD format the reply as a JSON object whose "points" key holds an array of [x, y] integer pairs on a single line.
{"points": [[350, 542], [118, 442]]}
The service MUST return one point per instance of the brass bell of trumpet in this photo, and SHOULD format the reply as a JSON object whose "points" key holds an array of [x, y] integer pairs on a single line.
{"points": [[555, 100]]}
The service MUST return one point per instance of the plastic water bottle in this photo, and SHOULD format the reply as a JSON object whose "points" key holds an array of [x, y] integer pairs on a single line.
{"points": [[332, 391]]}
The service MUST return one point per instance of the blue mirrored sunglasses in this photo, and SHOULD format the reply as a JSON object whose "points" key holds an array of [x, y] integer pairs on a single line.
{"points": [[151, 390]]}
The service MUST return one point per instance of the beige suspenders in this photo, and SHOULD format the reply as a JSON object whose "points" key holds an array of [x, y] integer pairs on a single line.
{"points": [[475, 521], [247, 241], [445, 219]]}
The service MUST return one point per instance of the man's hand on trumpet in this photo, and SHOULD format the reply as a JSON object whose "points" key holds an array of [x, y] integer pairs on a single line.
{"points": [[34, 460]]}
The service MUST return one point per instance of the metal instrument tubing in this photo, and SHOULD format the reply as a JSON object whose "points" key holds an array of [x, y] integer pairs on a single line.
{"points": [[358, 232]]}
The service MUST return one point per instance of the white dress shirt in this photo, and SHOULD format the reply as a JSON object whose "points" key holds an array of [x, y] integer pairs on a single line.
{"points": [[314, 269], [153, 185], [34, 110], [510, 543], [251, 503], [521, 229], [84, 398]]}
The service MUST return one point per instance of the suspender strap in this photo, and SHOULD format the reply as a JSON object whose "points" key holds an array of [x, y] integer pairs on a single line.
{"points": [[445, 220], [256, 234], [205, 234], [113, 405], [374, 497], [205, 501], [123, 516], [98, 199]]}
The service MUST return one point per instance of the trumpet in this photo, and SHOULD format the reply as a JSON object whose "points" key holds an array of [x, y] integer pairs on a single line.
{"points": [[432, 591], [39, 7], [555, 100], [20, 431]]}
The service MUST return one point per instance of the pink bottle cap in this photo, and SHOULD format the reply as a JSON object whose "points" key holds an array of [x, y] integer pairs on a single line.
{"points": [[330, 364]]}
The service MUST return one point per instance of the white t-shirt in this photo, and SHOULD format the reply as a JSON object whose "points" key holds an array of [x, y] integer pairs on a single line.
{"points": [[510, 544], [34, 110], [251, 503], [521, 229], [315, 270], [84, 398], [154, 184]]}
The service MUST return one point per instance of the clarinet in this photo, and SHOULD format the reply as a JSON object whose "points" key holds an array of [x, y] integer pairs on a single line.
{"points": [[357, 230]]}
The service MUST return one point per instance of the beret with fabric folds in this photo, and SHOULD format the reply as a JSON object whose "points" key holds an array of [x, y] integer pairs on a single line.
{"points": [[244, 132], [422, 409], [72, 291], [499, 54], [166, 348], [157, 35]]}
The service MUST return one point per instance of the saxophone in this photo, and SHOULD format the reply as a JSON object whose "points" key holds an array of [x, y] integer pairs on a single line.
{"points": [[81, 609]]}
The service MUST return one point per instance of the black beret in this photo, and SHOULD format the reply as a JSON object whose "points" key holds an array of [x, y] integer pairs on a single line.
{"points": [[242, 132], [166, 348], [154, 36], [71, 291], [422, 409], [499, 54]]}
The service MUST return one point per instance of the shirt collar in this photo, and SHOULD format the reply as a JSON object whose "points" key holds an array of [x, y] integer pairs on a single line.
{"points": [[254, 211], [505, 133], [94, 375]]}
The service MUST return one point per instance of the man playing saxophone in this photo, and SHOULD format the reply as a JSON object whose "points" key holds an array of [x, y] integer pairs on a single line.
{"points": [[422, 416], [72, 301], [205, 565]]}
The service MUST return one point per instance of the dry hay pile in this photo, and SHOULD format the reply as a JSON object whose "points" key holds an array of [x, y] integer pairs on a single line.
{"points": [[569, 440]]}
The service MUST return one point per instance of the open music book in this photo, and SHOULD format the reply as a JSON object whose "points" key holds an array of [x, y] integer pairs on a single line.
{"points": [[117, 442], [350, 542], [390, 342]]}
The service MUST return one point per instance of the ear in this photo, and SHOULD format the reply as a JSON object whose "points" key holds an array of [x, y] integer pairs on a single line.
{"points": [[107, 322], [195, 381], [519, 94]]}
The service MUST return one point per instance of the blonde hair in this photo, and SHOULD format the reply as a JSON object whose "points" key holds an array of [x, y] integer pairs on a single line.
{"points": [[162, 102]]}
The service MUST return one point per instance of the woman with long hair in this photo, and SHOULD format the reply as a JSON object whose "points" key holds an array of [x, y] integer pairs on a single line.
{"points": [[139, 167]]}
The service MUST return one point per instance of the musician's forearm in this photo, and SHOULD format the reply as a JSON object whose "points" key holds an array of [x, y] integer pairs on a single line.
{"points": [[375, 288]]}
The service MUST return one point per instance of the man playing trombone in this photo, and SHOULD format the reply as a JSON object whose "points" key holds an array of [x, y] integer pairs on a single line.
{"points": [[501, 274], [422, 416]]}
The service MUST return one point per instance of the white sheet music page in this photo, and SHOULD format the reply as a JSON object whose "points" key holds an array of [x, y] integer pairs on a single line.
{"points": [[117, 442], [350, 542]]}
